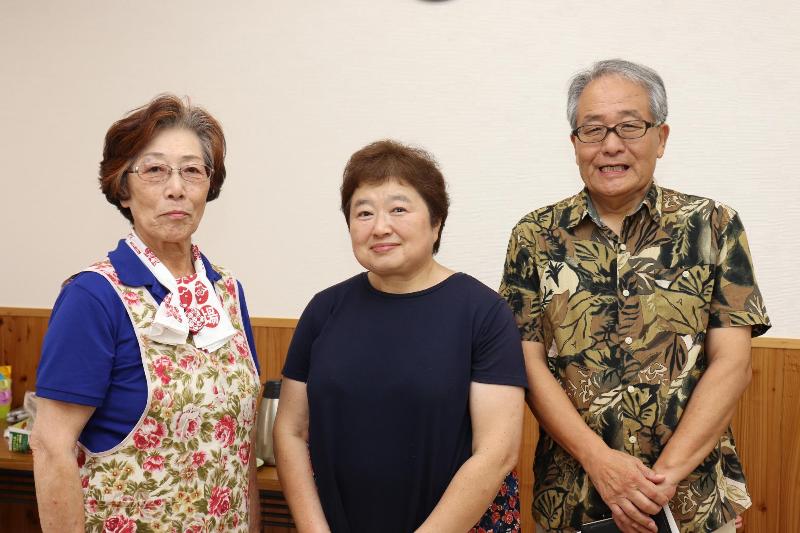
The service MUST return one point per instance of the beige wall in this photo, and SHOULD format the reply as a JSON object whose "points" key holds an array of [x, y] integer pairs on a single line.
{"points": [[300, 84]]}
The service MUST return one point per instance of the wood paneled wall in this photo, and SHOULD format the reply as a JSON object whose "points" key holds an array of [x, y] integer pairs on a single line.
{"points": [[766, 425], [767, 431], [21, 335]]}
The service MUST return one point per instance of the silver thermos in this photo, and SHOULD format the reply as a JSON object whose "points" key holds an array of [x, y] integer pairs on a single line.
{"points": [[266, 420]]}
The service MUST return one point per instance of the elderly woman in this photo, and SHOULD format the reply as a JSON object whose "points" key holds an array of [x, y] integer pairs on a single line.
{"points": [[405, 383], [148, 362]]}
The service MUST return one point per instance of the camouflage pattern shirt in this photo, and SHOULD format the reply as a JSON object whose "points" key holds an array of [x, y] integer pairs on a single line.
{"points": [[624, 319]]}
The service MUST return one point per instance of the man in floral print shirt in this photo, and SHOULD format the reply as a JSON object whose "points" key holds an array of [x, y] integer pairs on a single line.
{"points": [[636, 306]]}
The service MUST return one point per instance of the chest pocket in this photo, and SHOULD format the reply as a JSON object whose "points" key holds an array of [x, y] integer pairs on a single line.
{"points": [[682, 298]]}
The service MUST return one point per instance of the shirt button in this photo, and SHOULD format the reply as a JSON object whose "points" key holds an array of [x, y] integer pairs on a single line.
{"points": [[628, 340], [632, 439], [626, 292], [623, 247], [685, 274], [631, 389]]}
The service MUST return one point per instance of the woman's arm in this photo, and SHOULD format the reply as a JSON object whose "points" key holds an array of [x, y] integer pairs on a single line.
{"points": [[255, 496], [496, 413], [55, 468], [290, 436]]}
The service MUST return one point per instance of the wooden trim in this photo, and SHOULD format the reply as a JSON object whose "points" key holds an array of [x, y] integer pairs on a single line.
{"points": [[776, 342], [41, 312], [289, 323], [25, 311]]}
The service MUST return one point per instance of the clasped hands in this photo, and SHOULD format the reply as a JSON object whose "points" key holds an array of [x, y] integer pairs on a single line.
{"points": [[631, 490]]}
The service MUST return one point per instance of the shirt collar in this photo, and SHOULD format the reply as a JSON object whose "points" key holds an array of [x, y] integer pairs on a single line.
{"points": [[581, 206], [133, 273], [652, 201]]}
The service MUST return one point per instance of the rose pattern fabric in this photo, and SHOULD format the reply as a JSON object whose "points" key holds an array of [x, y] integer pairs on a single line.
{"points": [[244, 452], [240, 341], [189, 363], [149, 434], [186, 423], [119, 524], [153, 463], [225, 430], [220, 502], [624, 319], [163, 366], [198, 459], [131, 297], [185, 467]]}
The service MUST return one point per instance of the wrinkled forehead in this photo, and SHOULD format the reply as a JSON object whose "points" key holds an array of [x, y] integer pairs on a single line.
{"points": [[613, 98], [173, 142]]}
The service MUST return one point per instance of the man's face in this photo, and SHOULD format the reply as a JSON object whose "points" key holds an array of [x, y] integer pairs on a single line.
{"points": [[617, 169]]}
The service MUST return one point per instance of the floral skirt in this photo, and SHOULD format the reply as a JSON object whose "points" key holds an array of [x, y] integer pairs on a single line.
{"points": [[503, 515]]}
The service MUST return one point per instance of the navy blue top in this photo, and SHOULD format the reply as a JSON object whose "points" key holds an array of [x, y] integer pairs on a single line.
{"points": [[388, 379], [91, 356]]}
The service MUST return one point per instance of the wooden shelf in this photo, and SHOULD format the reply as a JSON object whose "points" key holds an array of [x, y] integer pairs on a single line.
{"points": [[267, 479], [13, 460], [267, 475]]}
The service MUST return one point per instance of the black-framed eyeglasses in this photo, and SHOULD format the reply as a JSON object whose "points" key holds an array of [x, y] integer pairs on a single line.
{"points": [[595, 133], [159, 172]]}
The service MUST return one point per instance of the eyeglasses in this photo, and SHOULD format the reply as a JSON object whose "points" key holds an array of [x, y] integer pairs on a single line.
{"points": [[595, 133], [159, 172]]}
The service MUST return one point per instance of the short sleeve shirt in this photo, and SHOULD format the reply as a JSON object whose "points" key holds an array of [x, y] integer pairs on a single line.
{"points": [[91, 356], [388, 381], [624, 319]]}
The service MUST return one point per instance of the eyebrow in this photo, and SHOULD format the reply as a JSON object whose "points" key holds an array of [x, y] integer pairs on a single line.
{"points": [[394, 197], [401, 197], [183, 158], [628, 112]]}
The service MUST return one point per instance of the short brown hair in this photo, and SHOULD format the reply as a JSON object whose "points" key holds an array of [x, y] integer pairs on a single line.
{"points": [[386, 159], [128, 136]]}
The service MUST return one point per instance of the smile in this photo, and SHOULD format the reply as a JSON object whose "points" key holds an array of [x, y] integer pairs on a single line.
{"points": [[383, 247], [614, 168]]}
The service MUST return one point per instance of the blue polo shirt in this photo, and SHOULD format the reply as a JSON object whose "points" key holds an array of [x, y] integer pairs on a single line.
{"points": [[91, 355]]}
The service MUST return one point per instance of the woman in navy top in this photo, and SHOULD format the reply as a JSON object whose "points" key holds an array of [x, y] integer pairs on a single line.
{"points": [[401, 407]]}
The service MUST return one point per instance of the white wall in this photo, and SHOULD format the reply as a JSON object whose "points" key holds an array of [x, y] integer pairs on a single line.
{"points": [[299, 85]]}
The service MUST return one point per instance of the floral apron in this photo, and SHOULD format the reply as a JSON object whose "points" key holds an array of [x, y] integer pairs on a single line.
{"points": [[184, 466]]}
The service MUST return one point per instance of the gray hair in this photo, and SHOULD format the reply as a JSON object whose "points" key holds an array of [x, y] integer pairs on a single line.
{"points": [[644, 76]]}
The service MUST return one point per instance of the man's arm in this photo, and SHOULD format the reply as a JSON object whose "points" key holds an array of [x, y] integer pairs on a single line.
{"points": [[495, 448], [711, 406], [55, 468], [626, 485], [294, 464]]}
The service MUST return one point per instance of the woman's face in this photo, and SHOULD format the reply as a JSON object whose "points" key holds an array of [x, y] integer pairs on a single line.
{"points": [[390, 230], [168, 212]]}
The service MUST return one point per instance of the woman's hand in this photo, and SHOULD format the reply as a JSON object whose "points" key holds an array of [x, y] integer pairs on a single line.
{"points": [[55, 468], [290, 435], [496, 414], [255, 495]]}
